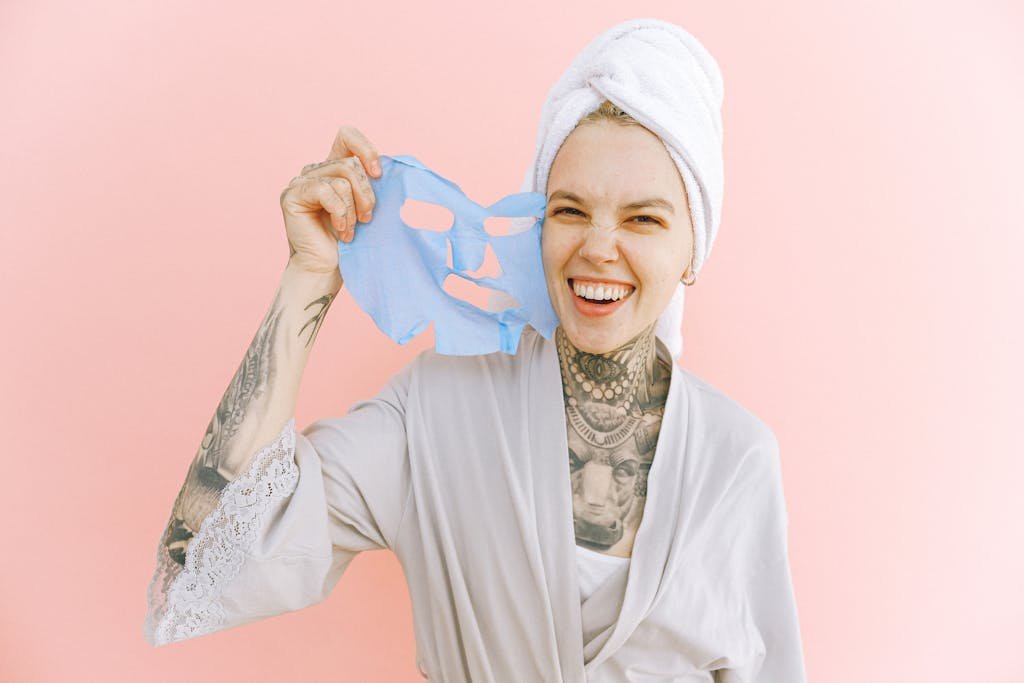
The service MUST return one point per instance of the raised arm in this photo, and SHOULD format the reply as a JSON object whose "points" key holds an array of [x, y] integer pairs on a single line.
{"points": [[259, 400], [263, 523], [320, 207]]}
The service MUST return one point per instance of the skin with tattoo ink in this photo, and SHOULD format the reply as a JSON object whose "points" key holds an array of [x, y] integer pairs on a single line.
{"points": [[320, 207], [211, 469], [614, 403], [617, 240]]}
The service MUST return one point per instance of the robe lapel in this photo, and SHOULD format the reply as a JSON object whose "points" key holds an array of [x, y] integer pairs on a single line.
{"points": [[603, 622], [655, 551], [552, 495]]}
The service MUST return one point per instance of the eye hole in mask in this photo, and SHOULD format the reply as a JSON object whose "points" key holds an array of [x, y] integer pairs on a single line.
{"points": [[502, 226], [433, 255], [426, 215]]}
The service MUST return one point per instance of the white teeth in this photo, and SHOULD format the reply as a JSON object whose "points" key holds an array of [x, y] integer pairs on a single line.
{"points": [[601, 292]]}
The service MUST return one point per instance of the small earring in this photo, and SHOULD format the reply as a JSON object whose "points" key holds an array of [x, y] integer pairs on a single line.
{"points": [[693, 276]]}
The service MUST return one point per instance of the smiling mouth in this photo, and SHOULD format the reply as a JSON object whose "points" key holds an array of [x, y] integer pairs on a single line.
{"points": [[600, 294]]}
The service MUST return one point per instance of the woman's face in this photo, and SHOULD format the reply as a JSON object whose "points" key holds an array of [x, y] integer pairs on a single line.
{"points": [[617, 225]]}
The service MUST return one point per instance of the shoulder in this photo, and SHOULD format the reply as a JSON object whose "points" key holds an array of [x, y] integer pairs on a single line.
{"points": [[737, 453], [441, 371], [728, 419]]}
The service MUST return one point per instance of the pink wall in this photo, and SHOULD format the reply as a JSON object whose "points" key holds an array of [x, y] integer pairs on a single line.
{"points": [[861, 298]]}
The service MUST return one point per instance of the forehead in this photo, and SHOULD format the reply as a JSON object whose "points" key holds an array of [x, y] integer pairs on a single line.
{"points": [[606, 159]]}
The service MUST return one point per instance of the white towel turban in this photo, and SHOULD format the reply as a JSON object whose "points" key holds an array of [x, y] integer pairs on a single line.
{"points": [[664, 78]]}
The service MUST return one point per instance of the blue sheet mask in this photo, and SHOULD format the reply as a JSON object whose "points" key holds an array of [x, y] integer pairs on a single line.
{"points": [[396, 273]]}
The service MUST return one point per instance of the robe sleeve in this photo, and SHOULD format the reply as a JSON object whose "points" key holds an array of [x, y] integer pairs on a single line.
{"points": [[776, 652], [285, 531]]}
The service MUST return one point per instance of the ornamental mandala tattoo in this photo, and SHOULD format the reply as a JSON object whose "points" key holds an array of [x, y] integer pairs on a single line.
{"points": [[614, 403]]}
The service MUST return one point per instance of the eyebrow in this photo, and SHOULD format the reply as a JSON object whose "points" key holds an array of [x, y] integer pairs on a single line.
{"points": [[643, 203]]}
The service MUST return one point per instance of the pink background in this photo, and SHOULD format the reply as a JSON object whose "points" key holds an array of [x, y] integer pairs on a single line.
{"points": [[862, 298]]}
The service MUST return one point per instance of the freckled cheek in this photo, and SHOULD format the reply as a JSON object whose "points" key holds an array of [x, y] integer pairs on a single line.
{"points": [[656, 269], [643, 261], [556, 250]]}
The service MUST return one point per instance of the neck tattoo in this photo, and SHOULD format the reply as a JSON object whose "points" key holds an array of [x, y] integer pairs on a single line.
{"points": [[604, 392]]}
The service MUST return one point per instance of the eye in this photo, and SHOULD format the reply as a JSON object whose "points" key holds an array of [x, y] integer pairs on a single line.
{"points": [[651, 220], [567, 208], [575, 463], [625, 471]]}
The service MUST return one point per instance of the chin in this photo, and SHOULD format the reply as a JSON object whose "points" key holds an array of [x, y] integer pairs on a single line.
{"points": [[594, 341]]}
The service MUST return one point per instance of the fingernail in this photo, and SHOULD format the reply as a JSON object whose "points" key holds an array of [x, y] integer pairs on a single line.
{"points": [[365, 218], [376, 167]]}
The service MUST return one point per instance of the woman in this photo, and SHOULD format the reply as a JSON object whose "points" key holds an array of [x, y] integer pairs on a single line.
{"points": [[658, 553]]}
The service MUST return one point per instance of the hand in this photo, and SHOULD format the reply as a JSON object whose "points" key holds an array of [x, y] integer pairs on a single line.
{"points": [[323, 204]]}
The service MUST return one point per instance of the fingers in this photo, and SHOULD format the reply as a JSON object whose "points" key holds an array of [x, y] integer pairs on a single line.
{"points": [[335, 196], [350, 168], [350, 141], [326, 193], [339, 185]]}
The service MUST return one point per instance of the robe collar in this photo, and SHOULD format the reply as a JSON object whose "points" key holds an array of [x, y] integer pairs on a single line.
{"points": [[656, 551]]}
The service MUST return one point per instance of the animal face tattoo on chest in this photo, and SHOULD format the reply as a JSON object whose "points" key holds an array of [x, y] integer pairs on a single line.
{"points": [[614, 404]]}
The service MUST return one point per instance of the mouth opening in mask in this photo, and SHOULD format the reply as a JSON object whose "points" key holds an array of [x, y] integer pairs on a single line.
{"points": [[476, 294]]}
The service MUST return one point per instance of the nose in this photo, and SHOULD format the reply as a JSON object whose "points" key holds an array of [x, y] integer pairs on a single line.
{"points": [[599, 245], [465, 252], [597, 480]]}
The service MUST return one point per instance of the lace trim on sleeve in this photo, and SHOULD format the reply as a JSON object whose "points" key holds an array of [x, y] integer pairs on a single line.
{"points": [[184, 601]]}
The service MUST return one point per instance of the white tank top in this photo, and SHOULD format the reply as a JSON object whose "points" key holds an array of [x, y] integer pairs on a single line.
{"points": [[595, 568]]}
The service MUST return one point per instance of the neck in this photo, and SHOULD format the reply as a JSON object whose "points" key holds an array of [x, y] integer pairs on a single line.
{"points": [[625, 380]]}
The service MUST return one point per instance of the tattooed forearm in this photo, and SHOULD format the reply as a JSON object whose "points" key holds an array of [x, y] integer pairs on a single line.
{"points": [[324, 303], [270, 368], [208, 476]]}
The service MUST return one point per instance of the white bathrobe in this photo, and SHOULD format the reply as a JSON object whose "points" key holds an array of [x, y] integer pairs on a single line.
{"points": [[460, 466]]}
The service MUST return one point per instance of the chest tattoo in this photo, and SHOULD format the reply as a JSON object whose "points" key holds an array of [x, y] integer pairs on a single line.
{"points": [[614, 404]]}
